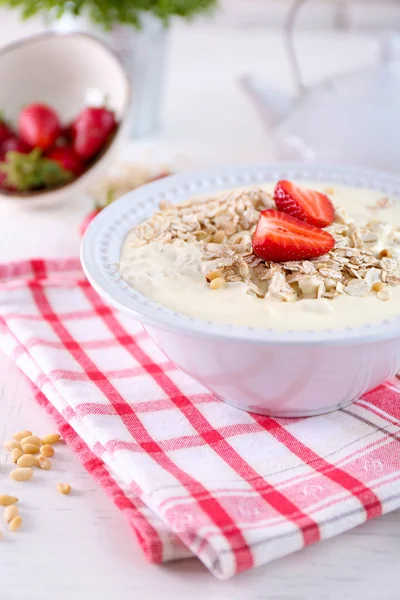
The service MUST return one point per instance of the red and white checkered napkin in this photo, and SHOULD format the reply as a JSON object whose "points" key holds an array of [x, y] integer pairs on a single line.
{"points": [[192, 475]]}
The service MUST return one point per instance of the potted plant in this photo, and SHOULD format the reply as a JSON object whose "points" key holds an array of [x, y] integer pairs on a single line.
{"points": [[136, 29]]}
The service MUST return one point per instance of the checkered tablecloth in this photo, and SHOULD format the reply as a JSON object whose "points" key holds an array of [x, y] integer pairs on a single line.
{"points": [[192, 475]]}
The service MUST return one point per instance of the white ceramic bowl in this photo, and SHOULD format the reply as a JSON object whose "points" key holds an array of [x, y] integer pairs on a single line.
{"points": [[66, 71], [293, 373]]}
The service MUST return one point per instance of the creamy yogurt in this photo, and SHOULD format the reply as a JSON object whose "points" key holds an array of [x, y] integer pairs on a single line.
{"points": [[173, 275]]}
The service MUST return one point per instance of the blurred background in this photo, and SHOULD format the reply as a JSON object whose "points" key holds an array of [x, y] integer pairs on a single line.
{"points": [[239, 81]]}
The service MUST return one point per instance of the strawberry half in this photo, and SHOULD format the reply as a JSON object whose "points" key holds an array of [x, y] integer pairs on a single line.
{"points": [[307, 205], [279, 238]]}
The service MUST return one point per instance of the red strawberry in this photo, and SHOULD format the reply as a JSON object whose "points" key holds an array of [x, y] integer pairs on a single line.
{"points": [[39, 126], [67, 158], [91, 130], [160, 175], [87, 220], [13, 144], [279, 238], [5, 131], [307, 205]]}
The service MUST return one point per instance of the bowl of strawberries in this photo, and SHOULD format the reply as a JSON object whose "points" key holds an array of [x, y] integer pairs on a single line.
{"points": [[63, 115]]}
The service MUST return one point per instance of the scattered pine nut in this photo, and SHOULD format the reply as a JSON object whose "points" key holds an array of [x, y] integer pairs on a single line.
{"points": [[51, 438], [22, 474], [47, 450], [15, 523], [22, 434], [43, 462], [64, 488], [6, 500], [9, 513], [217, 283], [11, 445], [26, 460], [31, 439], [16, 454], [378, 286], [213, 275], [30, 449]]}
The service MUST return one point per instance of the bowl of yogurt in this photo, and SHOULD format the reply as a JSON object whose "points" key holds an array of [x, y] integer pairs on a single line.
{"points": [[305, 330]]}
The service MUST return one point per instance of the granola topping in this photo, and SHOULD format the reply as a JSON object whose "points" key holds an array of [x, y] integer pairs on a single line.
{"points": [[196, 258], [222, 227]]}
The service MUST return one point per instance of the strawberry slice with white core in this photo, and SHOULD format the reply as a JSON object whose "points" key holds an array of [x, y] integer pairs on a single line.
{"points": [[307, 205], [279, 238]]}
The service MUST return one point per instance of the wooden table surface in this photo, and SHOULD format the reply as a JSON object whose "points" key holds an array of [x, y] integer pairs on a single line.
{"points": [[80, 547]]}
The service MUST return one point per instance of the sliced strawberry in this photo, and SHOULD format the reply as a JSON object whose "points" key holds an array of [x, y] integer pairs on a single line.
{"points": [[307, 205], [279, 238]]}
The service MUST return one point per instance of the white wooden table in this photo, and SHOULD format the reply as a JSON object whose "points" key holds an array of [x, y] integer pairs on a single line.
{"points": [[80, 547]]}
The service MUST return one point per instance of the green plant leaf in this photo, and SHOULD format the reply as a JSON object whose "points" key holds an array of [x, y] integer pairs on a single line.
{"points": [[31, 171], [107, 13]]}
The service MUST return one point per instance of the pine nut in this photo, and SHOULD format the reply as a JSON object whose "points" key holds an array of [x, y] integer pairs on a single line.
{"points": [[6, 500], [51, 438], [47, 450], [217, 283], [15, 523], [64, 488], [21, 435], [385, 253], [11, 445], [383, 295], [213, 275], [26, 460], [30, 449], [31, 439], [16, 454], [22, 474], [43, 462], [9, 513], [378, 286], [218, 237]]}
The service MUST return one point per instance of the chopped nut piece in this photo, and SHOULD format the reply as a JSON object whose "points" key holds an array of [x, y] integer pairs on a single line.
{"points": [[64, 488], [6, 500], [43, 462], [219, 237], [357, 288]]}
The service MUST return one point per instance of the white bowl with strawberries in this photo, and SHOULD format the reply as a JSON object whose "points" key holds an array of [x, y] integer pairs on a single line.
{"points": [[276, 287], [64, 113]]}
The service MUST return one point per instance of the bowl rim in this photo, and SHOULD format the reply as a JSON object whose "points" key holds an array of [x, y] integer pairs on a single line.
{"points": [[38, 37], [101, 244]]}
